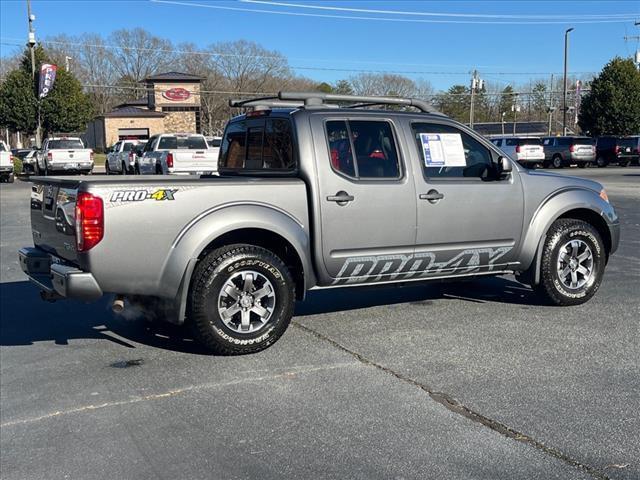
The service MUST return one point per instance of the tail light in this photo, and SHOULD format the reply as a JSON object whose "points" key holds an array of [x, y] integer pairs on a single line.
{"points": [[91, 156], [89, 221], [617, 149], [169, 160], [49, 156], [518, 149], [11, 159], [572, 148]]}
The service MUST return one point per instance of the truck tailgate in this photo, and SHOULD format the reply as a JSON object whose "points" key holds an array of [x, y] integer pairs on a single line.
{"points": [[194, 161], [53, 203]]}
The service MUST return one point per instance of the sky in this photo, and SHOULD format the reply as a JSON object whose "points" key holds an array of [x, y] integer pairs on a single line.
{"points": [[332, 39]]}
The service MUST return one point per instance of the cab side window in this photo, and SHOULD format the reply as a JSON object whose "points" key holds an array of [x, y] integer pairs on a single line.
{"points": [[363, 149], [478, 159]]}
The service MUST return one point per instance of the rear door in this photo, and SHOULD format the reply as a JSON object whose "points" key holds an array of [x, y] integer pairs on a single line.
{"points": [[469, 218], [367, 198]]}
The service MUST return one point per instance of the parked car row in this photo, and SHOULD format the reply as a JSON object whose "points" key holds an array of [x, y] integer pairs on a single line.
{"points": [[164, 154], [559, 152]]}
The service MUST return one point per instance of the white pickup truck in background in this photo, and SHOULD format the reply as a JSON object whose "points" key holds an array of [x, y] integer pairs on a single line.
{"points": [[6, 164], [64, 154], [121, 158], [178, 153]]}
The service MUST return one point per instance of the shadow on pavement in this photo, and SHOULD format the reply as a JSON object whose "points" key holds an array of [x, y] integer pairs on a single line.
{"points": [[488, 289], [26, 319]]}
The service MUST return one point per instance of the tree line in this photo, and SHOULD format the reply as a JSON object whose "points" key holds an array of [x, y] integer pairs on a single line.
{"points": [[109, 70]]}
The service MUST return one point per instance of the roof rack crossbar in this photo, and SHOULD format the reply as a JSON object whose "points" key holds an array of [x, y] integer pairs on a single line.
{"points": [[263, 102], [255, 101], [318, 98]]}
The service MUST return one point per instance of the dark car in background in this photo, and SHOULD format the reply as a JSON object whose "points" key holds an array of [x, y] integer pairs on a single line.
{"points": [[620, 150], [565, 151]]}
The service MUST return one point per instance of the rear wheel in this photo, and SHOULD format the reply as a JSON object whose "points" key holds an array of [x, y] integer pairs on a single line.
{"points": [[601, 162], [124, 169], [107, 170], [623, 164], [241, 299], [10, 178], [582, 164], [136, 169], [159, 170], [573, 260], [557, 161]]}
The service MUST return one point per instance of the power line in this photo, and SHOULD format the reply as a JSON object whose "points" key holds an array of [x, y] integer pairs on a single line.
{"points": [[284, 59], [383, 19], [438, 14]]}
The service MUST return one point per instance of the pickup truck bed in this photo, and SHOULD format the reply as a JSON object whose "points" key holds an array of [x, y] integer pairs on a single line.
{"points": [[167, 210]]}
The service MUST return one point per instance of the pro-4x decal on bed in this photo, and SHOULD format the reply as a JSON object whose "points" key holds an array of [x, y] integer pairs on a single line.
{"points": [[404, 267], [141, 195]]}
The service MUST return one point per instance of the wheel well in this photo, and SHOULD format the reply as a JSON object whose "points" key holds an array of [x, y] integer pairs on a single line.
{"points": [[594, 219], [270, 241]]}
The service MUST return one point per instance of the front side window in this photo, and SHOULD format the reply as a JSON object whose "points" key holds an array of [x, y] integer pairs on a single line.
{"points": [[363, 149], [473, 161]]}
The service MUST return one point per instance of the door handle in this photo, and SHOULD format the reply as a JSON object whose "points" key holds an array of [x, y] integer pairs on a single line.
{"points": [[432, 196], [341, 198]]}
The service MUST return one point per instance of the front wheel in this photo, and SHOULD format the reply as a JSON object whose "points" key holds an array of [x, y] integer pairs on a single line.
{"points": [[573, 260], [241, 300]]}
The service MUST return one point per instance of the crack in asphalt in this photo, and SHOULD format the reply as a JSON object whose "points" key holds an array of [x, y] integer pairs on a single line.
{"points": [[451, 404], [291, 372]]}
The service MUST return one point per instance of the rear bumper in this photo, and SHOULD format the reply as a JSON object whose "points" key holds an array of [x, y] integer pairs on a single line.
{"points": [[7, 169], [576, 158], [75, 166], [62, 280]]}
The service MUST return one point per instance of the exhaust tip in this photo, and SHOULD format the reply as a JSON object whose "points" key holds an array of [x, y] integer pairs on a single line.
{"points": [[118, 305]]}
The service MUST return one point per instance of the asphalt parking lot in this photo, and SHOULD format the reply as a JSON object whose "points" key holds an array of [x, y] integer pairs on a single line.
{"points": [[470, 380]]}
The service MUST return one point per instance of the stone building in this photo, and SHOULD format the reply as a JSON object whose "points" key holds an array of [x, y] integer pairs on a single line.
{"points": [[172, 104]]}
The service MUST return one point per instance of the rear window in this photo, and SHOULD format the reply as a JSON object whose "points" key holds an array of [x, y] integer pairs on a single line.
{"points": [[2, 147], [529, 141], [182, 143], [128, 146], [583, 141], [65, 144], [627, 142], [258, 144], [215, 142]]}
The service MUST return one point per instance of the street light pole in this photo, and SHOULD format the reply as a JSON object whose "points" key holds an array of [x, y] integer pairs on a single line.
{"points": [[31, 43], [564, 88]]}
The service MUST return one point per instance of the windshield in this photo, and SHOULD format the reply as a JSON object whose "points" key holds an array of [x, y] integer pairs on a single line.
{"points": [[68, 143], [180, 143]]}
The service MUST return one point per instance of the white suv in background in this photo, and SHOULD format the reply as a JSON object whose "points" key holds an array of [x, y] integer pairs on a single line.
{"points": [[527, 151]]}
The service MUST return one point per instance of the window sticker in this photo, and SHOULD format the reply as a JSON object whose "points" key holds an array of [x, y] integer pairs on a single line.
{"points": [[443, 150]]}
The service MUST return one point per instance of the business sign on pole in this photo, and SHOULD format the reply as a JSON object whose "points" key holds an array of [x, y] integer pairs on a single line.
{"points": [[47, 79]]}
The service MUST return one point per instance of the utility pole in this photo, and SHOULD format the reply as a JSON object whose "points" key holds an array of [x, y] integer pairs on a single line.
{"points": [[476, 85], [564, 89], [628, 38], [31, 43], [551, 108]]}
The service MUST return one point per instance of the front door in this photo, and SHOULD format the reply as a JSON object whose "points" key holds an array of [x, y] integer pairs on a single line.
{"points": [[469, 214], [367, 200]]}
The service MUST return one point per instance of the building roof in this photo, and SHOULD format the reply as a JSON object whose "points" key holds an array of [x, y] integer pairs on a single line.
{"points": [[143, 102], [132, 112], [173, 77]]}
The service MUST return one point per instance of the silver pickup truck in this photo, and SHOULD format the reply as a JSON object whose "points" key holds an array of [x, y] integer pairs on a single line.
{"points": [[317, 196]]}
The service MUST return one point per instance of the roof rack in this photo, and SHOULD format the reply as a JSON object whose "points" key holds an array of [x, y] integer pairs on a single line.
{"points": [[328, 100]]}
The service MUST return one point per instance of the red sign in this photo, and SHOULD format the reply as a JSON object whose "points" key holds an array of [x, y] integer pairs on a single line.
{"points": [[176, 94]]}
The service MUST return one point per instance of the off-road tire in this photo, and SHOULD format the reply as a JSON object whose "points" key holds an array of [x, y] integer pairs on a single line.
{"points": [[11, 178], [550, 286], [209, 278]]}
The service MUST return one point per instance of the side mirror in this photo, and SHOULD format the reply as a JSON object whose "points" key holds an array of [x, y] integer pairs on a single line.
{"points": [[505, 165]]}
